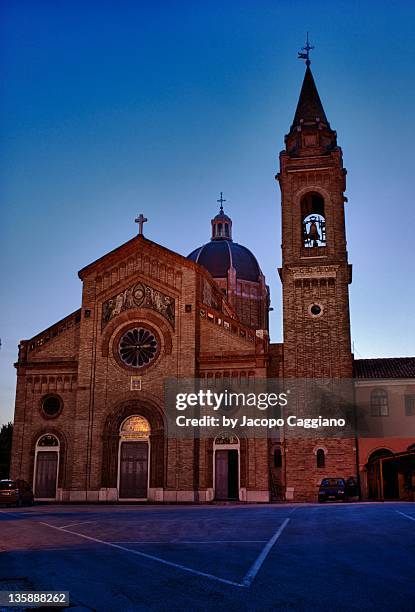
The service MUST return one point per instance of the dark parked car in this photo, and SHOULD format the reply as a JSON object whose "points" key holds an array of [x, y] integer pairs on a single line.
{"points": [[16, 493], [332, 489]]}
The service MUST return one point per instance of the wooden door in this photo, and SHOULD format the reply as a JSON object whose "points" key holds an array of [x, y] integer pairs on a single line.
{"points": [[133, 470], [226, 474], [46, 472], [221, 474], [233, 474]]}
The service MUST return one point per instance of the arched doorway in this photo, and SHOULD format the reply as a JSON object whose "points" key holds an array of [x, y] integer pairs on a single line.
{"points": [[46, 467], [133, 458], [382, 479], [226, 466]]}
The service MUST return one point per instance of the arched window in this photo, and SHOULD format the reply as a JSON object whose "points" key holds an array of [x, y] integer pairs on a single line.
{"points": [[226, 439], [321, 458], [47, 440], [313, 220], [135, 428], [227, 230], [277, 458], [379, 403]]}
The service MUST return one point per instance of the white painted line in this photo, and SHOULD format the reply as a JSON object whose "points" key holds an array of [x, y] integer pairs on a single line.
{"points": [[256, 566], [192, 542], [146, 556], [220, 541], [412, 518], [73, 524]]}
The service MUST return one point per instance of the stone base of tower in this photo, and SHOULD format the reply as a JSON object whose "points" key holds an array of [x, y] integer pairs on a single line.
{"points": [[303, 475]]}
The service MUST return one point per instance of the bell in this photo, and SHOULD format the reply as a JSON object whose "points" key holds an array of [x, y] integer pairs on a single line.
{"points": [[313, 234]]}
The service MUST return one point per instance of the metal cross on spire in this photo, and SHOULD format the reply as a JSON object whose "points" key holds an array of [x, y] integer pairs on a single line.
{"points": [[221, 200], [141, 219], [305, 52]]}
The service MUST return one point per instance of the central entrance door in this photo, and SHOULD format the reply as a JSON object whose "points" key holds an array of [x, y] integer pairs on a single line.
{"points": [[226, 474], [133, 462], [133, 470]]}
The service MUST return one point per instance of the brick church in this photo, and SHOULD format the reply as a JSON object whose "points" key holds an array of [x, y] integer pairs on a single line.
{"points": [[90, 415]]}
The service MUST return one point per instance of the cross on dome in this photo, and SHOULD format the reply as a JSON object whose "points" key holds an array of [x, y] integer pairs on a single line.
{"points": [[221, 200]]}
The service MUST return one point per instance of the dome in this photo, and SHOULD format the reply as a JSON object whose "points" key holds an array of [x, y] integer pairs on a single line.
{"points": [[233, 266], [218, 256]]}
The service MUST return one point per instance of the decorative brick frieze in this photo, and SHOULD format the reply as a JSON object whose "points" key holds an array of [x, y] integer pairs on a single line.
{"points": [[139, 295]]}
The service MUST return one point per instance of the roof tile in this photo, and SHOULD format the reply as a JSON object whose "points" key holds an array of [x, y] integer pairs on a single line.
{"points": [[389, 367]]}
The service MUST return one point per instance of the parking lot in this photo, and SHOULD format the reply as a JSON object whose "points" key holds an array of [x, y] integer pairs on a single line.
{"points": [[289, 557]]}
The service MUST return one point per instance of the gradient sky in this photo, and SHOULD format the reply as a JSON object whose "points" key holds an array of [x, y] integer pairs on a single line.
{"points": [[109, 109]]}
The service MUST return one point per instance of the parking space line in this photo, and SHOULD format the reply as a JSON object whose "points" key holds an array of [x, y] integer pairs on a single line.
{"points": [[79, 523], [256, 566], [147, 556], [412, 518], [192, 542]]}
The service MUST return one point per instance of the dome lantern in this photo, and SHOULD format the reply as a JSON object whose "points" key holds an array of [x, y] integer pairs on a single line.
{"points": [[221, 224]]}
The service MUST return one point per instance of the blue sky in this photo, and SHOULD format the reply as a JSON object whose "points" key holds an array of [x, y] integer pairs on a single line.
{"points": [[109, 109]]}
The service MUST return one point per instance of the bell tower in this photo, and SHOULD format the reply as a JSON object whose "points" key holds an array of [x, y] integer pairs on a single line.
{"points": [[315, 272], [315, 276]]}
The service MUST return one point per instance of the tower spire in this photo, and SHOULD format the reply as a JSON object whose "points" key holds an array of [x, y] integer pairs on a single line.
{"points": [[310, 132], [309, 107]]}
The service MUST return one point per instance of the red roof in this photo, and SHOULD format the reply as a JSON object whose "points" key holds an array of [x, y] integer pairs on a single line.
{"points": [[389, 367]]}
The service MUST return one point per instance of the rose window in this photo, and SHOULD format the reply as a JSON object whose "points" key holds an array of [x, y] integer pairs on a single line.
{"points": [[137, 347]]}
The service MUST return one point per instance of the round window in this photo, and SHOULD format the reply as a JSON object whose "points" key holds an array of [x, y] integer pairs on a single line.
{"points": [[138, 347], [51, 405], [315, 310]]}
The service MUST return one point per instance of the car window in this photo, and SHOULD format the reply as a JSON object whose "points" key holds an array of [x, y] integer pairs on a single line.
{"points": [[332, 482], [7, 484]]}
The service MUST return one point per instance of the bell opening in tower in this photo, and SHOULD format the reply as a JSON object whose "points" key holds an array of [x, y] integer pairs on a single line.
{"points": [[313, 220]]}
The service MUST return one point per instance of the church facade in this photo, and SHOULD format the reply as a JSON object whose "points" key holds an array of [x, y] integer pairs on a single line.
{"points": [[90, 422]]}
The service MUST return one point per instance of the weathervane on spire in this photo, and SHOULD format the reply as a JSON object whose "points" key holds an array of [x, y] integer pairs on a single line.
{"points": [[221, 200], [305, 56]]}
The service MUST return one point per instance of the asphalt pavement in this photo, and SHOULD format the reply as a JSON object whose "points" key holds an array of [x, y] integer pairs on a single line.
{"points": [[248, 557]]}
